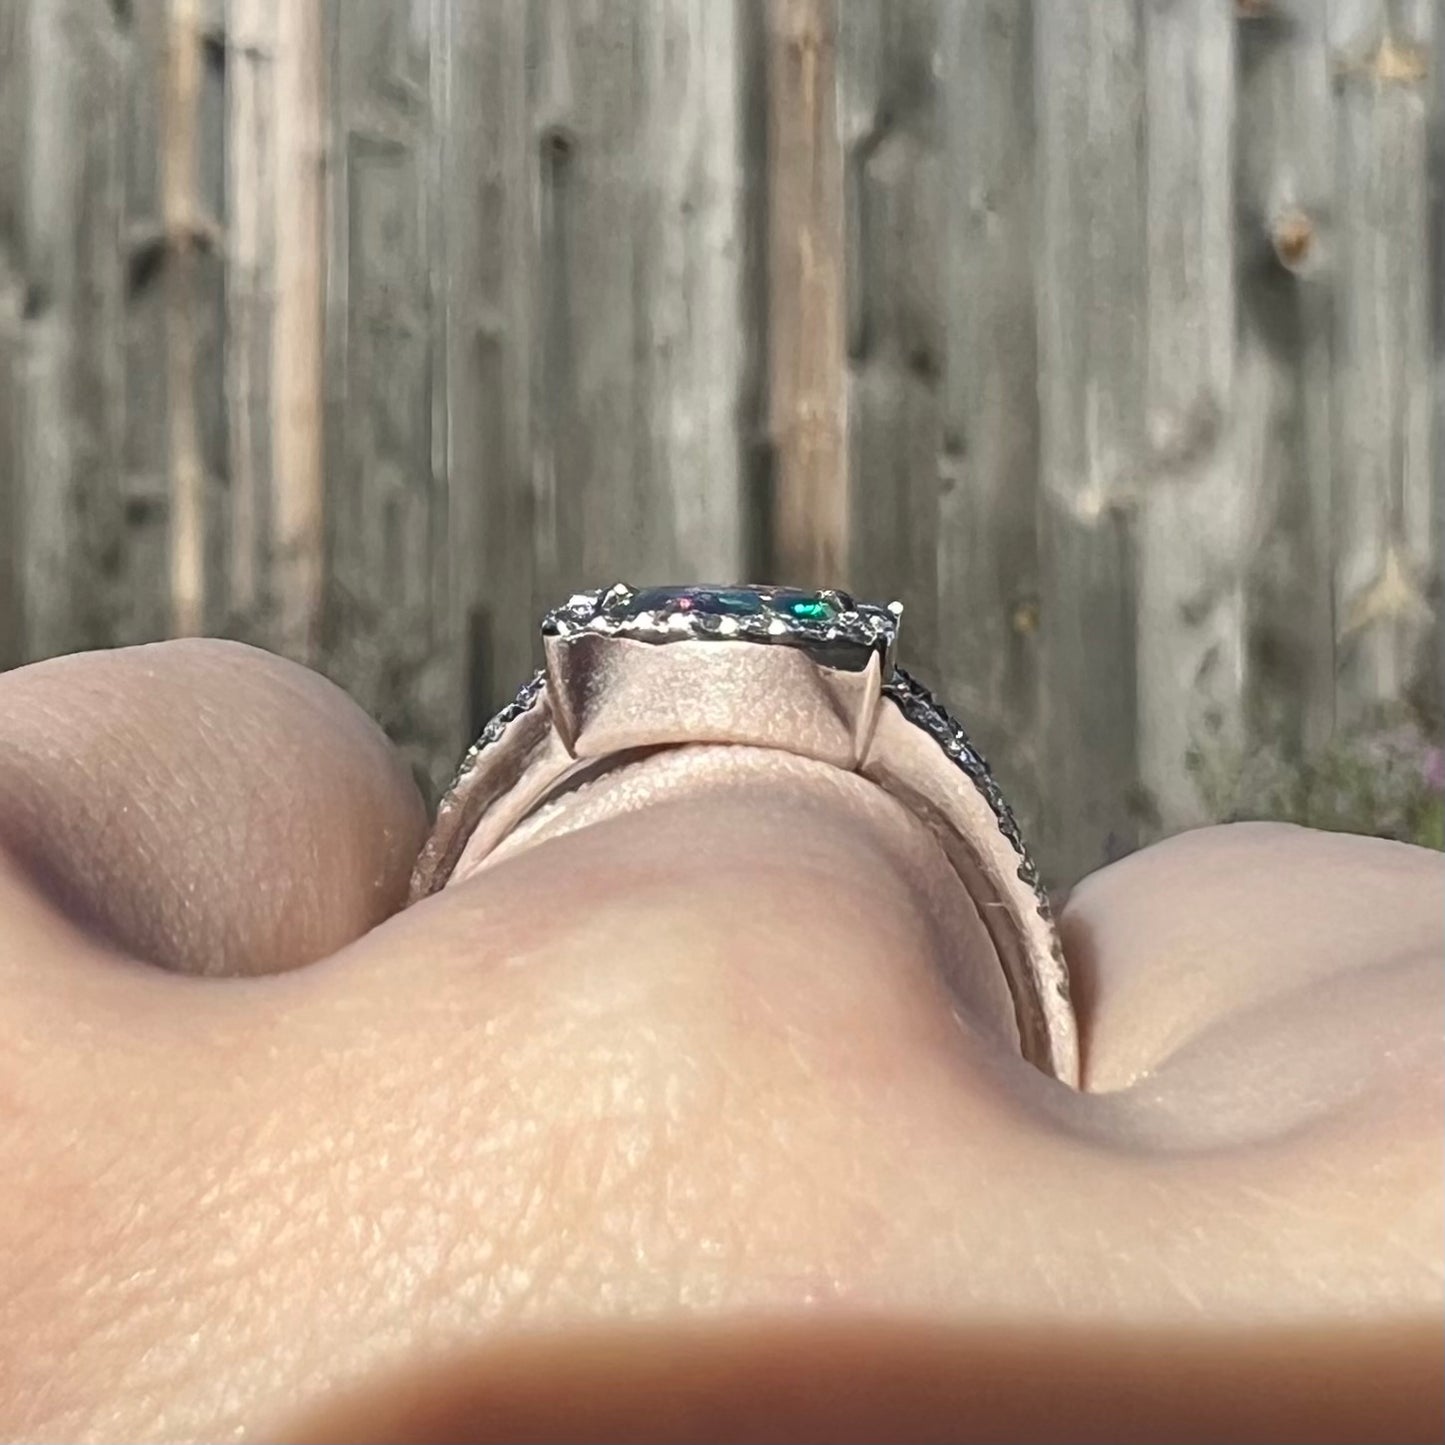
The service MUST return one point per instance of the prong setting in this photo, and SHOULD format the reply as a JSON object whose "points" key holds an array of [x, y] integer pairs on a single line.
{"points": [[828, 620]]}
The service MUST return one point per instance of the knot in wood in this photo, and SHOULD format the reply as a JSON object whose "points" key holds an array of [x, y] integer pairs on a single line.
{"points": [[1293, 238]]}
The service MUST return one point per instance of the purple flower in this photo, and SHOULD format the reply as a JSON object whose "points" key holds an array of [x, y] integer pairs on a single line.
{"points": [[1433, 769]]}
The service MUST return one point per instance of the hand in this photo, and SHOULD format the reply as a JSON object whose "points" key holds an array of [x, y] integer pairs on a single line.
{"points": [[683, 1120]]}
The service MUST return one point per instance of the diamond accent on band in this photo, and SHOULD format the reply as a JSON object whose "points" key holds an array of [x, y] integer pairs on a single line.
{"points": [[923, 710], [525, 700], [755, 614], [839, 672], [787, 615]]}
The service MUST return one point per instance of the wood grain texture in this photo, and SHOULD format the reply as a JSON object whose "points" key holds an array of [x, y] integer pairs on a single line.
{"points": [[140, 535], [181, 227], [1287, 208], [1092, 357], [385, 509], [987, 534], [251, 200], [598, 269], [1191, 517], [637, 139], [889, 114], [71, 270], [1108, 336], [295, 423], [1382, 495], [689, 218], [14, 107], [490, 220], [1429, 687], [807, 407]]}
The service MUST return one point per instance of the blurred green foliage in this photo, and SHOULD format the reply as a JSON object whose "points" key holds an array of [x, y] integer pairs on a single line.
{"points": [[1385, 777]]}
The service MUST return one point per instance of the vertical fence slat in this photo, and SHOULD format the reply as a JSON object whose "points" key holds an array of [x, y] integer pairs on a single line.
{"points": [[1431, 688], [1383, 479], [1104, 334], [600, 354], [143, 608], [295, 365], [381, 636], [489, 212], [1091, 285], [987, 536], [807, 402], [1285, 183], [694, 349], [890, 124], [640, 230], [250, 299], [14, 124], [72, 270], [180, 218], [211, 263], [587, 401], [1190, 599]]}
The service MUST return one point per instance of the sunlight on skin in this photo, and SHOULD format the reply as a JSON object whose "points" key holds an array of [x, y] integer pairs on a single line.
{"points": [[697, 1114]]}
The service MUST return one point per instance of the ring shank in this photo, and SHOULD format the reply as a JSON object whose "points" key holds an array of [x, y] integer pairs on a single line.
{"points": [[505, 780], [906, 762]]}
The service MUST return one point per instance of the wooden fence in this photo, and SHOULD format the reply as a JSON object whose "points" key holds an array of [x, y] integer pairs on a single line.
{"points": [[1103, 334]]}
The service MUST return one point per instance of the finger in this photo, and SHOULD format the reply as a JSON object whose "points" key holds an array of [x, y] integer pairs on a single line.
{"points": [[690, 1054], [1212, 924], [204, 805]]}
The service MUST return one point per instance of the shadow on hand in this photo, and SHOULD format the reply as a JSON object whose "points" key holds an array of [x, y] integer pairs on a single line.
{"points": [[885, 1380]]}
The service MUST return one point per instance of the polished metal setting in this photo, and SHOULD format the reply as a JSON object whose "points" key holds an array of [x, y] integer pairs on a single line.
{"points": [[805, 672]]}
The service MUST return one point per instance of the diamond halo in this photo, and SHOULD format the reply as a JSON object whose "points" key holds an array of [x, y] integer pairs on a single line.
{"points": [[784, 615]]}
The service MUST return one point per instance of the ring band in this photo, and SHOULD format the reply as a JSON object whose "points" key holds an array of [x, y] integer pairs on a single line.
{"points": [[811, 673]]}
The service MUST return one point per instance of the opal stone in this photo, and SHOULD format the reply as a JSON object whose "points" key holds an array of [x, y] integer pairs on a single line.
{"points": [[734, 601], [810, 609], [718, 601], [665, 600]]}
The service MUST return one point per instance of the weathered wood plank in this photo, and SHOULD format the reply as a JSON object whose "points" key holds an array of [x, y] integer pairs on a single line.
{"points": [[70, 261], [589, 516], [211, 262], [490, 217], [181, 225], [690, 223], [890, 124], [1137, 298], [1383, 488], [987, 535], [1287, 204], [14, 126], [1092, 365], [297, 474], [640, 230], [141, 602], [1430, 693], [1191, 519], [381, 637], [598, 359], [250, 297], [807, 407]]}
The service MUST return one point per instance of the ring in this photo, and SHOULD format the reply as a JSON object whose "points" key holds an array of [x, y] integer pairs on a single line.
{"points": [[629, 670]]}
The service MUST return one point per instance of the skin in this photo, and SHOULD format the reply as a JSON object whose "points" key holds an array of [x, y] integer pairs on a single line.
{"points": [[682, 1119]]}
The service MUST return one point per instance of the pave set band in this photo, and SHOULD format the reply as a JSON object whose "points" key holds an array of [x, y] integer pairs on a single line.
{"points": [[628, 670]]}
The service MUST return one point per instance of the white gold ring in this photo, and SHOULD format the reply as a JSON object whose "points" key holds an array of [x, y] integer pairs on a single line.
{"points": [[810, 673]]}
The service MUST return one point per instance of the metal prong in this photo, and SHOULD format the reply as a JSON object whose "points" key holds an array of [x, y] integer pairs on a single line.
{"points": [[865, 717], [559, 698]]}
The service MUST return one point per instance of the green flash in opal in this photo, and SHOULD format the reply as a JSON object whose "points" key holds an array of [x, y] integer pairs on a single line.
{"points": [[811, 609]]}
